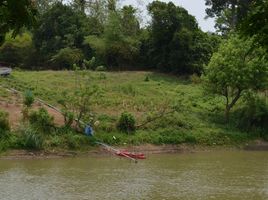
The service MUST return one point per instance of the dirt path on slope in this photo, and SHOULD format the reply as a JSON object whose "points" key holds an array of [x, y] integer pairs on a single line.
{"points": [[13, 105]]}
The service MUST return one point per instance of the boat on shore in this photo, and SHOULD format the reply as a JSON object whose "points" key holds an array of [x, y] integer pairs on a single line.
{"points": [[131, 154]]}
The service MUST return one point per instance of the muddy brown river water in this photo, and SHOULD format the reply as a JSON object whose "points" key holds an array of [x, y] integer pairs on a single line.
{"points": [[199, 176]]}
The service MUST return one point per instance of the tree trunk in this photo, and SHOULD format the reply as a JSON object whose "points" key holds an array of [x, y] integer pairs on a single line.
{"points": [[227, 113]]}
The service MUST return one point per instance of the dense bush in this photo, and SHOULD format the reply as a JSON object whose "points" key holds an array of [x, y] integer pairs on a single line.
{"points": [[126, 123], [60, 31], [41, 120], [4, 123], [31, 139], [66, 58], [28, 99], [17, 51], [254, 114]]}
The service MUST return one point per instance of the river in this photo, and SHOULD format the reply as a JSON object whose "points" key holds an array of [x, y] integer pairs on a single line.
{"points": [[198, 176]]}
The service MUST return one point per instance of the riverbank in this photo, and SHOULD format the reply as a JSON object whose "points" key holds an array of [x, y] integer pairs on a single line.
{"points": [[165, 110], [147, 149]]}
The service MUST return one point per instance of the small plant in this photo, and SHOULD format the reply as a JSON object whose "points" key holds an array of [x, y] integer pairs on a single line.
{"points": [[28, 101], [102, 76], [28, 98], [100, 68], [126, 123], [65, 58], [195, 79], [31, 139], [147, 79], [41, 120], [4, 123]]}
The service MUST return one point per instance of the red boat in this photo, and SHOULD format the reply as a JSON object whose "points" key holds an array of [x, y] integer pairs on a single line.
{"points": [[130, 154]]}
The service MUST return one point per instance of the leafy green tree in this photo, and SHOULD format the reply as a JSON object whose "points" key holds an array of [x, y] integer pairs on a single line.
{"points": [[228, 13], [118, 46], [77, 104], [14, 15], [236, 68], [17, 51], [255, 23], [130, 23], [44, 5], [66, 58], [58, 28], [175, 39], [97, 14], [80, 5]]}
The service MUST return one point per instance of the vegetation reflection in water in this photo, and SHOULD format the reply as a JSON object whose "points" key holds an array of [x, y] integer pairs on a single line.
{"points": [[218, 175]]}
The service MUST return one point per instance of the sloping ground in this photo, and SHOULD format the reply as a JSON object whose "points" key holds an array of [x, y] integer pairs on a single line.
{"points": [[12, 104], [200, 118]]}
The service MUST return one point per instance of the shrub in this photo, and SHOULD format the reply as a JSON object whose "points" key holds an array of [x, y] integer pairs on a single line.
{"points": [[126, 123], [195, 79], [90, 64], [31, 139], [41, 120], [17, 51], [254, 114], [4, 123], [67, 57], [28, 98], [100, 68], [147, 79]]}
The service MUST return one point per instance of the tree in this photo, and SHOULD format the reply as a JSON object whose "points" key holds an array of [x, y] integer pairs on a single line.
{"points": [[58, 28], [77, 103], [235, 69], [256, 23], [97, 14], [228, 13], [44, 5], [118, 46], [14, 15], [174, 38]]}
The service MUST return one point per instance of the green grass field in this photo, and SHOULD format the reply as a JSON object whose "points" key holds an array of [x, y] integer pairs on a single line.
{"points": [[199, 120]]}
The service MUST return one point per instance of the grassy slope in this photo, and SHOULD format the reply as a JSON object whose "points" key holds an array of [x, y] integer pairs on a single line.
{"points": [[200, 120]]}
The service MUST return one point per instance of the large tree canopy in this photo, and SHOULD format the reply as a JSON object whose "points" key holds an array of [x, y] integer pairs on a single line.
{"points": [[58, 28], [256, 23], [236, 68], [228, 13], [175, 39], [14, 15]]}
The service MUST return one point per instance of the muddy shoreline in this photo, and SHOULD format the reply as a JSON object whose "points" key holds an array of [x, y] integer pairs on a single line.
{"points": [[146, 149]]}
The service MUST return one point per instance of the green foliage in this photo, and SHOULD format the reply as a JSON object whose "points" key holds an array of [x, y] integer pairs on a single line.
{"points": [[28, 98], [77, 103], [100, 68], [66, 58], [90, 64], [118, 45], [126, 123], [4, 124], [236, 68], [15, 15], [199, 120], [60, 27], [175, 42], [17, 51], [41, 120], [227, 13], [147, 79], [255, 23], [254, 114], [31, 139], [195, 79]]}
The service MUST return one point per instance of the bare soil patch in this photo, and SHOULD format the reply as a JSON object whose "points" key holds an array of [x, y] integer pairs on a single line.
{"points": [[13, 106]]}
